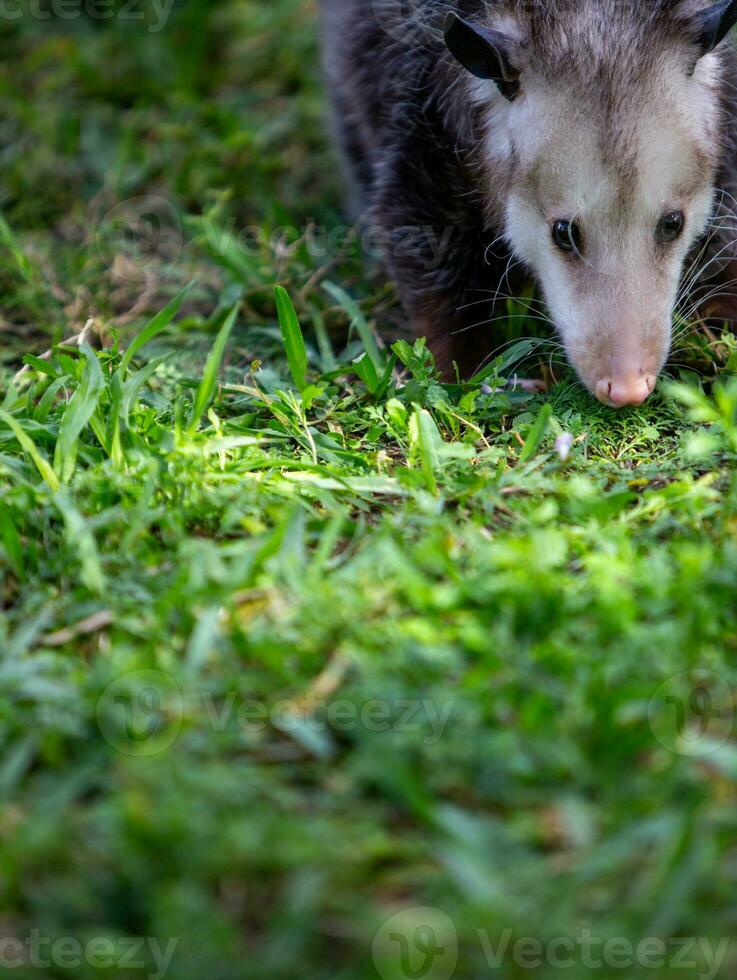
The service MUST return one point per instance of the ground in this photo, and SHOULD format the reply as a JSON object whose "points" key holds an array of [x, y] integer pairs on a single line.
{"points": [[310, 665]]}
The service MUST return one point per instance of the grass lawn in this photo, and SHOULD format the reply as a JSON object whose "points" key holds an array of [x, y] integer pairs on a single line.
{"points": [[311, 666]]}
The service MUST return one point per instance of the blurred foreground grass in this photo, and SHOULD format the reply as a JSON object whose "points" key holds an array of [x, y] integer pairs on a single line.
{"points": [[322, 645]]}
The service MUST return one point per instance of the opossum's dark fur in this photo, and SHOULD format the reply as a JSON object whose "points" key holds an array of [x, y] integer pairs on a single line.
{"points": [[410, 138]]}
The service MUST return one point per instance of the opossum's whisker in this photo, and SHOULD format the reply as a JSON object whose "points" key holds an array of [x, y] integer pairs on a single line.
{"points": [[687, 282], [497, 351], [702, 271], [512, 264], [726, 193], [711, 289], [717, 293], [539, 342], [490, 247], [526, 302], [528, 313], [497, 319]]}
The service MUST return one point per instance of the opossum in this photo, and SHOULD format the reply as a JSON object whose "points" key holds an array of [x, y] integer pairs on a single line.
{"points": [[587, 145]]}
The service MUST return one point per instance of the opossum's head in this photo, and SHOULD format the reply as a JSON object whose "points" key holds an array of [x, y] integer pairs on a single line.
{"points": [[608, 115]]}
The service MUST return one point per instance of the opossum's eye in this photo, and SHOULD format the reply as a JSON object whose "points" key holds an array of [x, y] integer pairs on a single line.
{"points": [[567, 236], [670, 227]]}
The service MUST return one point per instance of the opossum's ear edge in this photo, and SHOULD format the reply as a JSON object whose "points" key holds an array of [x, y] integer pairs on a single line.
{"points": [[482, 53], [715, 23]]}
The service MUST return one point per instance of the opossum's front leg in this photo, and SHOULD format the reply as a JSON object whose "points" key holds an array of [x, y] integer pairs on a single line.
{"points": [[438, 253], [447, 291]]}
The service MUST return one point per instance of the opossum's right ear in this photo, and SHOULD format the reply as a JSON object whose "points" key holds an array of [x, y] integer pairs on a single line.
{"points": [[715, 23], [484, 53]]}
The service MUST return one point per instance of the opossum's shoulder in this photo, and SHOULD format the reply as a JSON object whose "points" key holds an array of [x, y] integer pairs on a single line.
{"points": [[381, 54]]}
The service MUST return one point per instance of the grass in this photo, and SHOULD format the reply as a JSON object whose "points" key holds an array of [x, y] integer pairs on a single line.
{"points": [[295, 638]]}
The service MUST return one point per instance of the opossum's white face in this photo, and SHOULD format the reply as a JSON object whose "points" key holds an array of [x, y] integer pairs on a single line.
{"points": [[604, 131], [604, 207]]}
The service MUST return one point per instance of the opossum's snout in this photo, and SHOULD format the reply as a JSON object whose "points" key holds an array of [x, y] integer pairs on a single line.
{"points": [[631, 389], [618, 348], [619, 362]]}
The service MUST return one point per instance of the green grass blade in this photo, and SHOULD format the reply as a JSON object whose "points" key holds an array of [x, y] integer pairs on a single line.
{"points": [[227, 251], [358, 320], [208, 385], [132, 387], [536, 433], [11, 397], [48, 398], [29, 447], [294, 343], [78, 413], [81, 540], [11, 540], [366, 371], [385, 379], [160, 322], [23, 264], [426, 443], [501, 365]]}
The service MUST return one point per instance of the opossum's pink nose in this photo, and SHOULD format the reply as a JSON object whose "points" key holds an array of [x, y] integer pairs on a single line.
{"points": [[630, 390]]}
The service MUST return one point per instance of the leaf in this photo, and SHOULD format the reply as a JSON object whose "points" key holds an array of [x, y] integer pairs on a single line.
{"points": [[294, 343], [386, 378], [77, 414], [203, 638], [154, 327], [40, 365], [25, 266], [694, 398], [367, 372], [536, 433], [208, 385], [228, 251], [11, 540], [427, 443], [49, 396], [29, 447], [134, 384], [79, 537], [358, 320], [11, 398], [501, 365]]}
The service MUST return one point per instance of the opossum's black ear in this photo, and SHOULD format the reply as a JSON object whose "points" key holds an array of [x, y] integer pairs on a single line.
{"points": [[715, 23], [483, 53]]}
